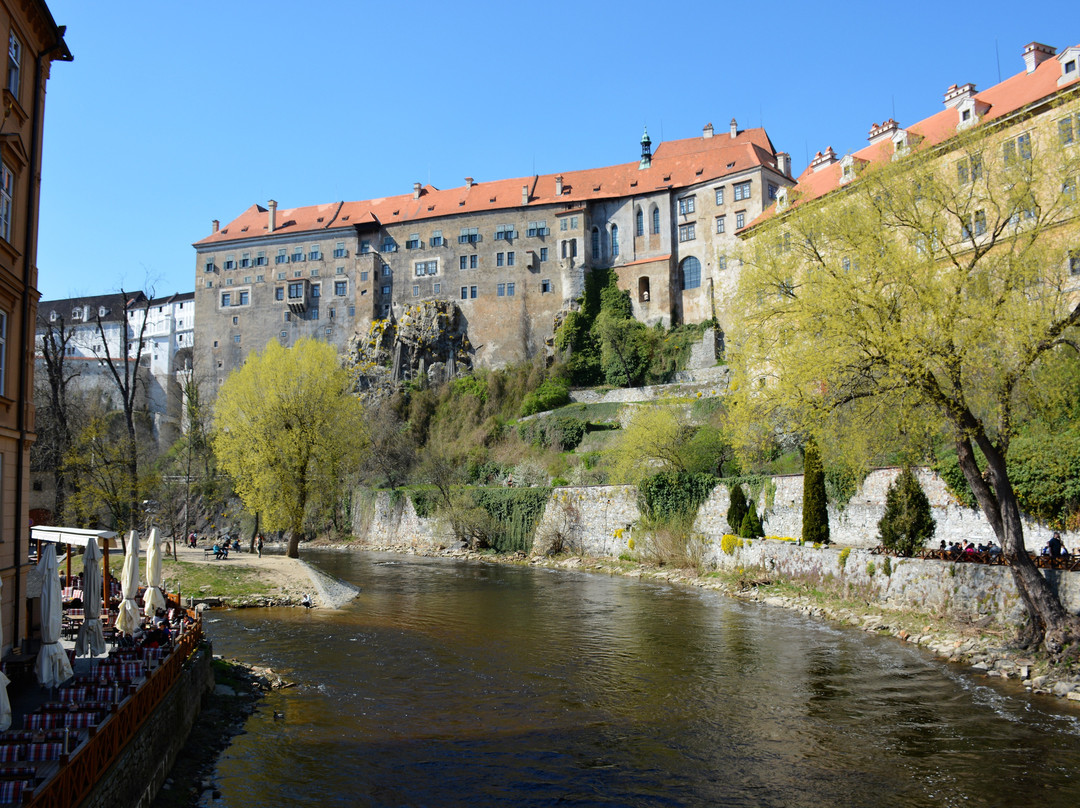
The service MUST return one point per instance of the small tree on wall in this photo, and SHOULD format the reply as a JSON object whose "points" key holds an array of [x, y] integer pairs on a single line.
{"points": [[737, 508], [907, 523], [751, 527], [815, 516]]}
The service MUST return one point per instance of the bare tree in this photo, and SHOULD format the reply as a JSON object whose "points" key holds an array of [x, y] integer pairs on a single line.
{"points": [[54, 429]]}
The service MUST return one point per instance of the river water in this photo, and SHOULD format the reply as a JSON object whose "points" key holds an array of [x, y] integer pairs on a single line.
{"points": [[448, 683]]}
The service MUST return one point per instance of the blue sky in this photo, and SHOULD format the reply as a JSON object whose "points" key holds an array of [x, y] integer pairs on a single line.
{"points": [[177, 113]]}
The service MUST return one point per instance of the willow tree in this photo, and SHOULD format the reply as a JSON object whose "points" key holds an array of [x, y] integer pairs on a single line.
{"points": [[925, 296], [289, 432]]}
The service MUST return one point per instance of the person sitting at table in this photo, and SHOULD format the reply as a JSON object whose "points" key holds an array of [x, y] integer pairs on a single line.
{"points": [[995, 550]]}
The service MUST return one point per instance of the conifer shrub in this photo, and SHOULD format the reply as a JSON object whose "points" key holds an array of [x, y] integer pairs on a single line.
{"points": [[751, 527], [815, 515], [907, 522], [737, 508]]}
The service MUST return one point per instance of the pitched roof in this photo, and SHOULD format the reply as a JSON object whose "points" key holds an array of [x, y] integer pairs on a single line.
{"points": [[1012, 94], [112, 302], [675, 164]]}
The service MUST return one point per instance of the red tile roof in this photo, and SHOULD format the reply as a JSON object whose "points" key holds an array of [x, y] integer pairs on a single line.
{"points": [[675, 164], [1002, 99]]}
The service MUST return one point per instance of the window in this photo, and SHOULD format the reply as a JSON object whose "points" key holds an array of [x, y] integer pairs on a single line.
{"points": [[469, 235], [1067, 129], [236, 339], [260, 258], [563, 224], [969, 169], [596, 244], [686, 205], [1074, 269], [719, 196], [209, 266], [363, 275], [639, 223], [3, 353], [537, 229], [284, 335], [655, 220], [543, 254], [545, 286], [365, 247], [331, 313], [742, 190], [386, 290], [510, 259], [226, 299], [686, 232], [296, 290], [235, 320], [388, 245], [690, 270], [281, 257], [426, 268], [976, 225], [230, 262], [228, 281], [436, 288], [1019, 146], [314, 254], [416, 291], [314, 290], [436, 239], [298, 254], [472, 261], [721, 224], [772, 190], [614, 241], [721, 262], [245, 298], [386, 270], [500, 290], [413, 242], [499, 259], [279, 293], [505, 232], [340, 287], [339, 250], [740, 219], [464, 292], [14, 63], [463, 262], [472, 292], [509, 290], [352, 311]]}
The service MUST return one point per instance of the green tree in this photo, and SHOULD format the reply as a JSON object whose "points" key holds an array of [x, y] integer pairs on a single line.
{"points": [[751, 527], [289, 433], [737, 509], [815, 505], [665, 438], [917, 303], [907, 523]]}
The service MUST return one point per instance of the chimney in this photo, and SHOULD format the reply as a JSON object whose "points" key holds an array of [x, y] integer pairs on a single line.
{"points": [[272, 205], [215, 226], [1035, 53], [468, 182], [707, 131], [954, 95], [558, 185], [783, 163], [524, 194], [416, 190], [882, 131], [734, 129], [821, 160]]}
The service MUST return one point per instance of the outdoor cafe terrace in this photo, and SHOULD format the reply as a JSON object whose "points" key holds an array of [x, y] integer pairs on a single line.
{"points": [[64, 736]]}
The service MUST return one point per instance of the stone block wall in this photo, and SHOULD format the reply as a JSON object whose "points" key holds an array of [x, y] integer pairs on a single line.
{"points": [[386, 520], [138, 773]]}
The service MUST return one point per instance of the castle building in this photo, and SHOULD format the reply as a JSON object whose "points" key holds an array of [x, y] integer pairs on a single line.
{"points": [[511, 254]]}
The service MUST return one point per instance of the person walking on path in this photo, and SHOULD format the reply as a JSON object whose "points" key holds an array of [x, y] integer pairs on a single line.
{"points": [[259, 544]]}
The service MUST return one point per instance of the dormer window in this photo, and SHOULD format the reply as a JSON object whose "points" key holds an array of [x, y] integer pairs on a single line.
{"points": [[847, 169], [969, 110], [102, 311], [1070, 65], [52, 316], [782, 199]]}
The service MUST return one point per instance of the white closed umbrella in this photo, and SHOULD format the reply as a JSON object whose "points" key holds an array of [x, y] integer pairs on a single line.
{"points": [[91, 639], [5, 703], [153, 599], [52, 666], [128, 619]]}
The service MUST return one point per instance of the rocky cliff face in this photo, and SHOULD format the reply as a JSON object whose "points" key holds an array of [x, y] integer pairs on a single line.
{"points": [[428, 341]]}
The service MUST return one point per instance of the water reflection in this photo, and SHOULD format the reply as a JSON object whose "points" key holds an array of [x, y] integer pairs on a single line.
{"points": [[456, 684]]}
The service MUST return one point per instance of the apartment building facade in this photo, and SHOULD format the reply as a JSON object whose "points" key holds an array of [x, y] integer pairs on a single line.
{"points": [[511, 254], [34, 42]]}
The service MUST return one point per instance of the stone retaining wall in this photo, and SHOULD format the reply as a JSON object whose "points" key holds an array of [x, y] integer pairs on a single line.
{"points": [[138, 773]]}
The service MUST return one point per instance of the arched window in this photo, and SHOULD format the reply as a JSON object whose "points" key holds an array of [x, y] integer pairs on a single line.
{"points": [[643, 289], [596, 244], [655, 220], [690, 269], [639, 223], [614, 241]]}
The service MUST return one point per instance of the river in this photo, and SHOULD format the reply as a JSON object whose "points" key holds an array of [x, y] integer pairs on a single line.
{"points": [[448, 683]]}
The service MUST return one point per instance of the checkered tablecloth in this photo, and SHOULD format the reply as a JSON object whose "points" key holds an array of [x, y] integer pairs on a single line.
{"points": [[43, 720], [11, 790], [10, 752], [37, 752]]}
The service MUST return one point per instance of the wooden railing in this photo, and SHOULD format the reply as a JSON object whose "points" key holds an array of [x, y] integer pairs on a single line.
{"points": [[77, 776]]}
